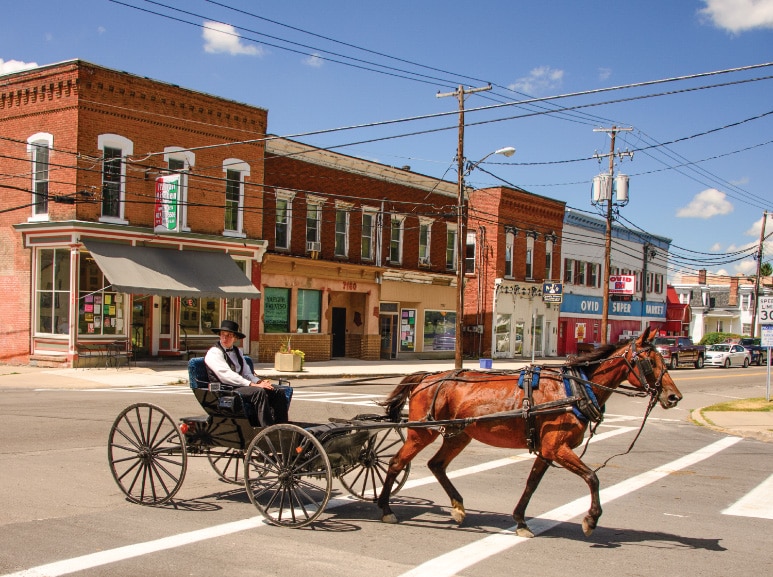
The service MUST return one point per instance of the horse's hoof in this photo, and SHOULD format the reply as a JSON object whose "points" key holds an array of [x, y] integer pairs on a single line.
{"points": [[524, 532], [391, 518], [458, 516], [587, 528]]}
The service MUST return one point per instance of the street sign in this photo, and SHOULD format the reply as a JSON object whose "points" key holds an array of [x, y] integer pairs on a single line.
{"points": [[767, 336], [765, 311]]}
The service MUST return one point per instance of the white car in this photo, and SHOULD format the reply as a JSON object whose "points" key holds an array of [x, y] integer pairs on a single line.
{"points": [[727, 355]]}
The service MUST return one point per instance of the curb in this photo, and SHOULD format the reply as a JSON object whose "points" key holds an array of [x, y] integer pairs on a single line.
{"points": [[697, 418]]}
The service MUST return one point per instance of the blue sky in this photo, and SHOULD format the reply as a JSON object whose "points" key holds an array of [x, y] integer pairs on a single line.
{"points": [[701, 172]]}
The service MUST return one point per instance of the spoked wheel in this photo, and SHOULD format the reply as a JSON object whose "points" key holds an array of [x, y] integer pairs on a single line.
{"points": [[147, 454], [365, 478], [287, 475], [228, 463]]}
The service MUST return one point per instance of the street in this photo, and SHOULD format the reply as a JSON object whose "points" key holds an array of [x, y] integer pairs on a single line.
{"points": [[677, 504]]}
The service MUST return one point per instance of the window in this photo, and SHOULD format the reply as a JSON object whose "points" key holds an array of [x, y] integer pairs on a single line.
{"points": [[276, 310], [659, 284], [234, 308], [451, 247], [509, 241], [114, 148], [341, 248], [199, 315], [368, 226], [529, 257], [283, 219], [579, 273], [181, 161], [425, 236], [469, 254], [568, 271], [593, 275], [309, 310], [396, 240], [313, 221], [548, 259], [53, 291], [101, 311], [235, 172], [39, 148], [439, 330]]}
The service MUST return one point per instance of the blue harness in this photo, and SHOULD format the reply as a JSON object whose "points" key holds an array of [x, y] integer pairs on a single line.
{"points": [[569, 389]]}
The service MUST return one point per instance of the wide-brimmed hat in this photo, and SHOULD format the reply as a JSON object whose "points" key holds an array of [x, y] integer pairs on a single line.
{"points": [[231, 326]]}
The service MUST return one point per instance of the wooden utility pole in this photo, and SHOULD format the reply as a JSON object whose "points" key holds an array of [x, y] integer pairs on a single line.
{"points": [[461, 237], [757, 279]]}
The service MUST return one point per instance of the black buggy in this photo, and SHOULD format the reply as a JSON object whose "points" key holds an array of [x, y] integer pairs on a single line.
{"points": [[287, 469]]}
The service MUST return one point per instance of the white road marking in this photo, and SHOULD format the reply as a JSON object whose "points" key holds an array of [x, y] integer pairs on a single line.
{"points": [[756, 503], [456, 561]]}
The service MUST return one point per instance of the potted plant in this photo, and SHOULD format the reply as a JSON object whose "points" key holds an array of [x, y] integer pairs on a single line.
{"points": [[288, 359]]}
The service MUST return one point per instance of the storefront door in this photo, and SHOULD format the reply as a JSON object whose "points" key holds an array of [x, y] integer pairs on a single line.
{"points": [[388, 330], [142, 305]]}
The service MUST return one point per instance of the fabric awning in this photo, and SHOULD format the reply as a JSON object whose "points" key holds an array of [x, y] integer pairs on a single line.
{"points": [[166, 272]]}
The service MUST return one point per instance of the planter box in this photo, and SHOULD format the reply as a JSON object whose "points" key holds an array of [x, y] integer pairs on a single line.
{"points": [[287, 362]]}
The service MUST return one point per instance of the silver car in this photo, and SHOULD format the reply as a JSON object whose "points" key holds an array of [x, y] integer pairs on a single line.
{"points": [[727, 355]]}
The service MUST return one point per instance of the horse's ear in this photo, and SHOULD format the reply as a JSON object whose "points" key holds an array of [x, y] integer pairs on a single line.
{"points": [[645, 336]]}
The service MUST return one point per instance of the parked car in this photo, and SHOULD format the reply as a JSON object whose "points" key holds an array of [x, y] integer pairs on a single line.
{"points": [[680, 351], [759, 353], [727, 355]]}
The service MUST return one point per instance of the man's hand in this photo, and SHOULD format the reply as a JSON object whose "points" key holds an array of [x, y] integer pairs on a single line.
{"points": [[264, 383]]}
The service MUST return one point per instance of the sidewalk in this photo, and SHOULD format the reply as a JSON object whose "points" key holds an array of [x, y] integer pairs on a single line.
{"points": [[754, 424]]}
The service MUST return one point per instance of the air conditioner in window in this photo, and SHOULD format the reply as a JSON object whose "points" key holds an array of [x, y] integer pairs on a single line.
{"points": [[313, 246], [424, 260]]}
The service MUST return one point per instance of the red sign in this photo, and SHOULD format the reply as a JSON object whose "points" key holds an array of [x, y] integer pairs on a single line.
{"points": [[622, 284]]}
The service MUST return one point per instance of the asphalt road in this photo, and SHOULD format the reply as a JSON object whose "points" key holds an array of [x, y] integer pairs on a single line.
{"points": [[685, 501]]}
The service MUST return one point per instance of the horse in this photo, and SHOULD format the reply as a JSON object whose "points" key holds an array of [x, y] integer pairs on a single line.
{"points": [[548, 413]]}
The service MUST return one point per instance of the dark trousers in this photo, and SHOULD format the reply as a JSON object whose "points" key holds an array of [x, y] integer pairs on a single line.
{"points": [[263, 407]]}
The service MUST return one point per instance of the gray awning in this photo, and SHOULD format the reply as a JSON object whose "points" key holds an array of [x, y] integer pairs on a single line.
{"points": [[166, 272]]}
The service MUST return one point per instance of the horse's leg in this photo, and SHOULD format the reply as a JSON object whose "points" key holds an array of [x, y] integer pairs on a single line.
{"points": [[438, 464], [519, 513], [571, 462], [415, 441]]}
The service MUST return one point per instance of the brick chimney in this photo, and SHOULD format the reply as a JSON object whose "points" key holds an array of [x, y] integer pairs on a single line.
{"points": [[702, 276], [733, 298]]}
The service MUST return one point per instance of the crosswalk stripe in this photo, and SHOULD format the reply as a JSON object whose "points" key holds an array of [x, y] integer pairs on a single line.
{"points": [[756, 503]]}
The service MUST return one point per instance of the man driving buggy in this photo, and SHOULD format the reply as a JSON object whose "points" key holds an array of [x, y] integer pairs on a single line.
{"points": [[226, 364]]}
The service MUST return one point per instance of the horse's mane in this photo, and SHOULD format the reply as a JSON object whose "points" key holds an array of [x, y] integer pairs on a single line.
{"points": [[592, 358]]}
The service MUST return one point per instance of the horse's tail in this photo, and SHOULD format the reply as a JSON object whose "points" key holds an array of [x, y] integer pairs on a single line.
{"points": [[393, 404]]}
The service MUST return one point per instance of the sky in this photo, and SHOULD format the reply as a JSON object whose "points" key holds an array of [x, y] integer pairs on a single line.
{"points": [[690, 82]]}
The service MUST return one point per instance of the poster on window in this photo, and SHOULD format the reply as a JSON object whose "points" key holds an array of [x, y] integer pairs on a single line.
{"points": [[167, 201]]}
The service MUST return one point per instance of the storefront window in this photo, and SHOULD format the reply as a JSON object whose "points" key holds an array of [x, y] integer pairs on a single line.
{"points": [[199, 316], [276, 310], [101, 311], [309, 310], [503, 333], [234, 308], [439, 331], [408, 330], [53, 291]]}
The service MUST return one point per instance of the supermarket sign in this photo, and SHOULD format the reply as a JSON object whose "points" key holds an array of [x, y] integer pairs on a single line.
{"points": [[623, 284]]}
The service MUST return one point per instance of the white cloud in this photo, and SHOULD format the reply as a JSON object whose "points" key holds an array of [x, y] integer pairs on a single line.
{"points": [[219, 37], [101, 30], [314, 61], [716, 247], [540, 81], [706, 204], [8, 66], [739, 15], [604, 73]]}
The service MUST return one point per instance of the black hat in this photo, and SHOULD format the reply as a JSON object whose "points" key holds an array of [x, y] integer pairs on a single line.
{"points": [[231, 326]]}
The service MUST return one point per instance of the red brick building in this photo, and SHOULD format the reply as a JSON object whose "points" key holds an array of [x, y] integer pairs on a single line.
{"points": [[92, 254], [513, 249]]}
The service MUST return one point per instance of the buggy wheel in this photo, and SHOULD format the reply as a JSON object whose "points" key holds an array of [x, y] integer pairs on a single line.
{"points": [[365, 478], [287, 475], [147, 454], [228, 463]]}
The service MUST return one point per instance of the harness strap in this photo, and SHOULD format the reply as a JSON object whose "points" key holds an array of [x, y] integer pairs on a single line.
{"points": [[576, 385]]}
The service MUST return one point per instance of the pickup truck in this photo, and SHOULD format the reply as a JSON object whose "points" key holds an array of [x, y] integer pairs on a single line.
{"points": [[680, 351], [759, 353]]}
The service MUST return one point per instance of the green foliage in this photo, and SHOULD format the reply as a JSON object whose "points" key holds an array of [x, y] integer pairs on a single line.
{"points": [[766, 269], [714, 338]]}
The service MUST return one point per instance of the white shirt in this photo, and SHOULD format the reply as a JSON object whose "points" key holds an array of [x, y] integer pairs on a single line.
{"points": [[215, 361]]}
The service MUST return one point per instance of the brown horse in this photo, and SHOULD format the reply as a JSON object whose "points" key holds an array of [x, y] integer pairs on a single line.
{"points": [[548, 413]]}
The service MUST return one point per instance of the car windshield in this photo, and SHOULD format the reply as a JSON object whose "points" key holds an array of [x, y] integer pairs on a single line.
{"points": [[720, 348], [663, 341], [749, 342]]}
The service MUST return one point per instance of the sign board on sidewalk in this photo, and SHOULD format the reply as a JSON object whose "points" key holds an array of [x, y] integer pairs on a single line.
{"points": [[767, 335]]}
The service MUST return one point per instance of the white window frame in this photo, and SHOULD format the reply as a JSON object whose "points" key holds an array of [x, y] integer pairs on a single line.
{"points": [[241, 167], [189, 160], [529, 256], [369, 232], [341, 244], [469, 261], [34, 143], [316, 202], [396, 244], [451, 232], [548, 259], [509, 247], [287, 197], [425, 230], [126, 147]]}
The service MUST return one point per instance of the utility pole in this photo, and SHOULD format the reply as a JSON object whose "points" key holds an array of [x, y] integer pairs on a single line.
{"points": [[608, 236], [757, 279], [461, 237]]}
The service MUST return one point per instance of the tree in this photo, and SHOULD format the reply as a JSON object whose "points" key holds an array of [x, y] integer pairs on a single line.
{"points": [[766, 269]]}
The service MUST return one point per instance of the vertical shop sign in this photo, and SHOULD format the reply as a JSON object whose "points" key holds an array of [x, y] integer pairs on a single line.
{"points": [[167, 201]]}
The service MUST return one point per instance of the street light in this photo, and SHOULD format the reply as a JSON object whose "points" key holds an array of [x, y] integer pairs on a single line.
{"points": [[464, 168]]}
